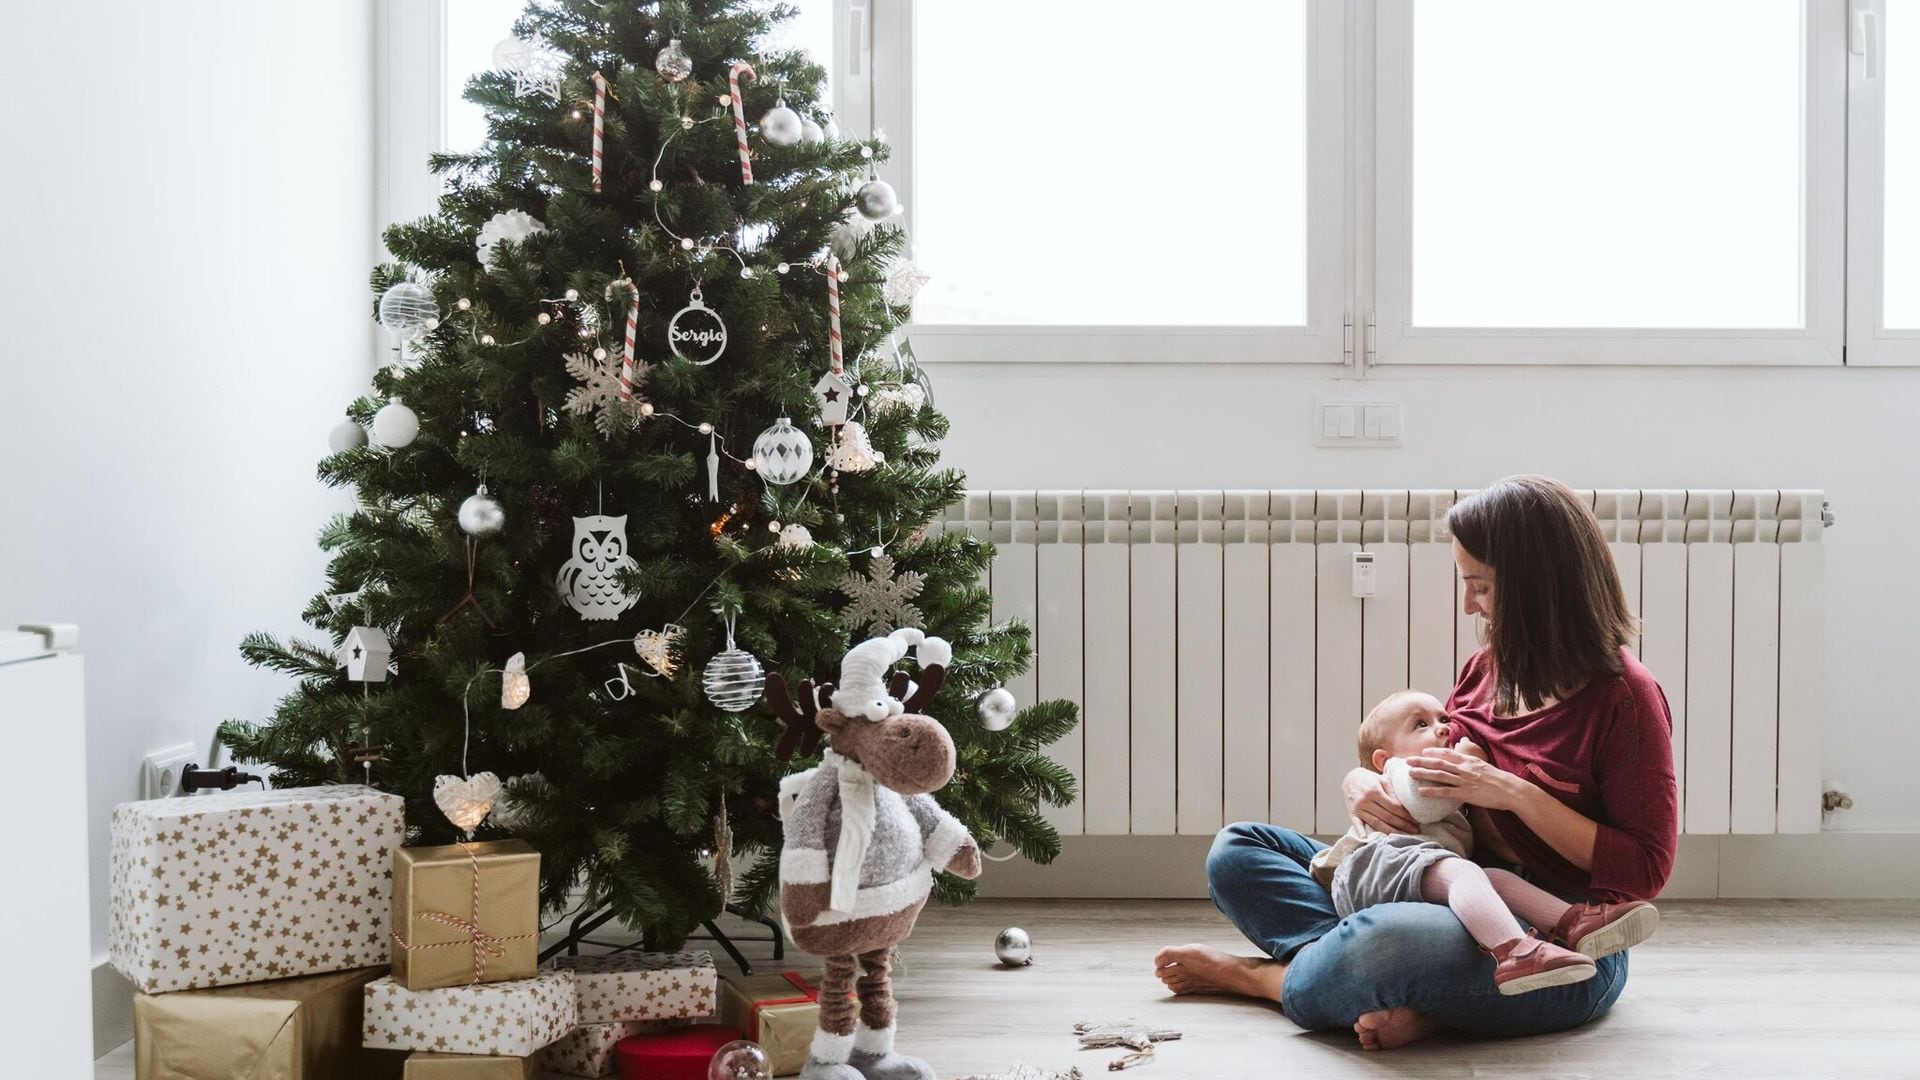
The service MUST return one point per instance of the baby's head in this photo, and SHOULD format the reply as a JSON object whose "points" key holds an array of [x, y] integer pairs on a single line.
{"points": [[1405, 724]]}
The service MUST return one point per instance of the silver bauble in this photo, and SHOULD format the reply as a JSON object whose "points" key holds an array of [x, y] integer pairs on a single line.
{"points": [[781, 126], [876, 200], [481, 514], [997, 709], [783, 454], [673, 63], [811, 131], [1013, 947], [733, 680], [406, 309], [346, 435], [395, 425]]}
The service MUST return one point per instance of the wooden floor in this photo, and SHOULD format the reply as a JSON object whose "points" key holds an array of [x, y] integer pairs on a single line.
{"points": [[1748, 989]]}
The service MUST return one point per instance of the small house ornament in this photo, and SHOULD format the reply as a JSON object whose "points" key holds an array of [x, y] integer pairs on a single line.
{"points": [[834, 396], [364, 654]]}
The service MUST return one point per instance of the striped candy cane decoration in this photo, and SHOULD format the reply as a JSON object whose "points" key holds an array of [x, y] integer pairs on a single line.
{"points": [[633, 337], [833, 314], [740, 117], [599, 113]]}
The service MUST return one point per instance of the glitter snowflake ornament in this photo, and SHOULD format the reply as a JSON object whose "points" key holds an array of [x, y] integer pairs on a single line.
{"points": [[905, 279], [601, 394], [882, 601]]}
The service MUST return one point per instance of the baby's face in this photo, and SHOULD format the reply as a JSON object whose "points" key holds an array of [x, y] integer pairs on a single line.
{"points": [[1416, 723]]}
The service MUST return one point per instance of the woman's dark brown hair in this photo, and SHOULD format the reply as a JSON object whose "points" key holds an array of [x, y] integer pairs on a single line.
{"points": [[1559, 615]]}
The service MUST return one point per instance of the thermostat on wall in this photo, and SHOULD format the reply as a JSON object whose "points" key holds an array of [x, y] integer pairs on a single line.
{"points": [[1363, 581]]}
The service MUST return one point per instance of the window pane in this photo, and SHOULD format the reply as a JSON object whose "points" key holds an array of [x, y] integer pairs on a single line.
{"points": [[1099, 171], [1902, 304], [474, 27], [1627, 163]]}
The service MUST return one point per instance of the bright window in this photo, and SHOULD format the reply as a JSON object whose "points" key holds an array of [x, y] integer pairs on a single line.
{"points": [[1093, 171], [1900, 68], [1634, 163]]}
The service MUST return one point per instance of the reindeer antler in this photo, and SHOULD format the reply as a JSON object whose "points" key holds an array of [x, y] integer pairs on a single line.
{"points": [[931, 676], [800, 721]]}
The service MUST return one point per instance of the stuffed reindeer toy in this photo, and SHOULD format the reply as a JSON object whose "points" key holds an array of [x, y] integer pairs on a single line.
{"points": [[863, 838]]}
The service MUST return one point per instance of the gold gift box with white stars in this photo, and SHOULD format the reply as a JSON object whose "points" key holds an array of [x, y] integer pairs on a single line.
{"points": [[218, 890]]}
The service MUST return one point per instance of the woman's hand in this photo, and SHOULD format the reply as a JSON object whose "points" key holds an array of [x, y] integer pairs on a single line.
{"points": [[1370, 803], [1451, 774]]}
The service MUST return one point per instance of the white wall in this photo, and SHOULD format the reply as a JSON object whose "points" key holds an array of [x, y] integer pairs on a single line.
{"points": [[1850, 432], [190, 195]]}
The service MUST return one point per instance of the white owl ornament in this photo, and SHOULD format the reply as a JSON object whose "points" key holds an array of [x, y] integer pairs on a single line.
{"points": [[589, 581]]}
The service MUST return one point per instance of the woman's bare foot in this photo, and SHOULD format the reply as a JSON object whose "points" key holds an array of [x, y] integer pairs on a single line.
{"points": [[1197, 969], [1385, 1029]]}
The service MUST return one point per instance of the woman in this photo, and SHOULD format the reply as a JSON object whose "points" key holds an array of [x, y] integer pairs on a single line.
{"points": [[1578, 797]]}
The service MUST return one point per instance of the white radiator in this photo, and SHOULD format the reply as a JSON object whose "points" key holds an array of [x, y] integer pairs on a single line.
{"points": [[1222, 662]]}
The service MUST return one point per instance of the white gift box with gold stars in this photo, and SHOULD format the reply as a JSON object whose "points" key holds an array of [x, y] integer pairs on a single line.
{"points": [[642, 986], [243, 886], [511, 1019]]}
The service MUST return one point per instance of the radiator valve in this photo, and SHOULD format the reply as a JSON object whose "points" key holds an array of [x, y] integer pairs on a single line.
{"points": [[1835, 800]]}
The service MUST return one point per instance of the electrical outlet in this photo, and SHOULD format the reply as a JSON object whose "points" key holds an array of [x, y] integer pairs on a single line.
{"points": [[160, 778]]}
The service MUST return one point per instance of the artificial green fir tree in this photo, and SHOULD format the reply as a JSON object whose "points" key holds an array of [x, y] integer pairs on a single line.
{"points": [[621, 769]]}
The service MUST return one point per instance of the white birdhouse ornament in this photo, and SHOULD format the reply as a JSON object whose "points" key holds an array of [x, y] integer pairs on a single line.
{"points": [[834, 396], [364, 654]]}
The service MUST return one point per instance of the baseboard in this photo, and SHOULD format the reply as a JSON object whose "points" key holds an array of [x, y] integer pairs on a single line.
{"points": [[1823, 866], [112, 1009]]}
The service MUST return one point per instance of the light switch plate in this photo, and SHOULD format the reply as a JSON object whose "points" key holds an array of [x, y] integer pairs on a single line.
{"points": [[1357, 423]]}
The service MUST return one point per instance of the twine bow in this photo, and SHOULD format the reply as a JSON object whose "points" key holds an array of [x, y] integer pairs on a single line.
{"points": [[485, 946]]}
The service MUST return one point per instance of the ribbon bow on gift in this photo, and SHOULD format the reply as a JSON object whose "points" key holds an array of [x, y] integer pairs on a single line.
{"points": [[485, 946]]}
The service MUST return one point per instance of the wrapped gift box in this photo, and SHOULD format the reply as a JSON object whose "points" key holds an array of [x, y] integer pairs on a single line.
{"points": [[289, 1029], [678, 1054], [642, 986], [589, 1050], [780, 1011], [422, 1066], [466, 913], [510, 1019], [219, 890]]}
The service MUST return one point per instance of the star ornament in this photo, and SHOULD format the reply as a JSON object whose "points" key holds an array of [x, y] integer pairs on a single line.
{"points": [[536, 71]]}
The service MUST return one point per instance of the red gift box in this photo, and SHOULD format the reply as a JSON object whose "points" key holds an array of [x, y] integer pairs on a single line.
{"points": [[678, 1054]]}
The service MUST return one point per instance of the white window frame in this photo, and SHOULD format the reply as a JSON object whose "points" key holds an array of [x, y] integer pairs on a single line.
{"points": [[1326, 338], [1359, 280], [1869, 342], [1819, 341]]}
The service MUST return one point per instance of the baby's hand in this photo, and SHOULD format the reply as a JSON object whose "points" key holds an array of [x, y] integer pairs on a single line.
{"points": [[1469, 748]]}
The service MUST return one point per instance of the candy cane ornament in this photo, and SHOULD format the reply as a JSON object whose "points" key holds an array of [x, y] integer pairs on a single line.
{"points": [[599, 114], [740, 117], [627, 355], [833, 315]]}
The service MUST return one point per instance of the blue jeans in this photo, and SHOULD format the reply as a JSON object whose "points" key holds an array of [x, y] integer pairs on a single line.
{"points": [[1387, 955]]}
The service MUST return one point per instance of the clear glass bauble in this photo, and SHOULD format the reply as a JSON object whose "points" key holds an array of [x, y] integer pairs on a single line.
{"points": [[673, 63], [783, 454], [406, 309], [733, 679], [740, 1060]]}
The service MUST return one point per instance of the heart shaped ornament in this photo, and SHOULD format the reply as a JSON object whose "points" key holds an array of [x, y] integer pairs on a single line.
{"points": [[466, 802], [656, 647]]}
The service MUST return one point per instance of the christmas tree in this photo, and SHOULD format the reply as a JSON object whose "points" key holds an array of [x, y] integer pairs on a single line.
{"points": [[581, 454]]}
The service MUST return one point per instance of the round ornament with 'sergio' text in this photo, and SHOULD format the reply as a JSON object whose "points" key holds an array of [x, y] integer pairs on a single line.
{"points": [[696, 332]]}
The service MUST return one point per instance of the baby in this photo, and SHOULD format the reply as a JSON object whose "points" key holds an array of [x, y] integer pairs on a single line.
{"points": [[1366, 867]]}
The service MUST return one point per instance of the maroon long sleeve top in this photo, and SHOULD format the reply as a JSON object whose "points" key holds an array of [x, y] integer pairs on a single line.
{"points": [[1607, 752]]}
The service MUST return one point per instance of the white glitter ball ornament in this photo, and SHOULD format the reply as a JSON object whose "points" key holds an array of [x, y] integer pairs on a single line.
{"points": [[346, 435], [408, 310], [783, 454], [508, 225], [997, 709], [395, 425], [481, 515]]}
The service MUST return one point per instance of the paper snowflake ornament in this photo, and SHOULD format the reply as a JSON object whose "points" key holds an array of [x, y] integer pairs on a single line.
{"points": [[535, 70], [882, 601], [513, 226], [905, 279], [601, 394]]}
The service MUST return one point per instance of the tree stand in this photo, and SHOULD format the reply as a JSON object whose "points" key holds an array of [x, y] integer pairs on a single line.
{"points": [[587, 922]]}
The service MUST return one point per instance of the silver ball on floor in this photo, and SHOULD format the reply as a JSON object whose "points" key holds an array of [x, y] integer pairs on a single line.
{"points": [[1013, 947]]}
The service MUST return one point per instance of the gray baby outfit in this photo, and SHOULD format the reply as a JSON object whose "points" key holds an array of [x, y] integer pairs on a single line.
{"points": [[1364, 867]]}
